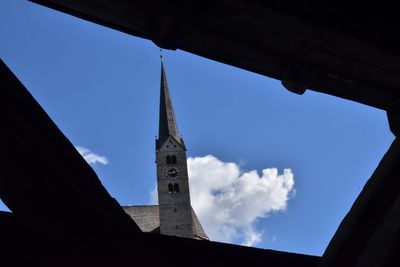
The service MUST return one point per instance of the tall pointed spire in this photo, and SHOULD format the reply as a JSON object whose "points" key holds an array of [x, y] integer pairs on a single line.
{"points": [[167, 124]]}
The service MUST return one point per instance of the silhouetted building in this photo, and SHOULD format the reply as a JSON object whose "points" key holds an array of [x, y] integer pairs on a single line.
{"points": [[174, 215]]}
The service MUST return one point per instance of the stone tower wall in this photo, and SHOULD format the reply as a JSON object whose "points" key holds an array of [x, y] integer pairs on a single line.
{"points": [[175, 207]]}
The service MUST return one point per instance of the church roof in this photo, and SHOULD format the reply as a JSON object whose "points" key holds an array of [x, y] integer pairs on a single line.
{"points": [[167, 123], [145, 216], [199, 232], [148, 219]]}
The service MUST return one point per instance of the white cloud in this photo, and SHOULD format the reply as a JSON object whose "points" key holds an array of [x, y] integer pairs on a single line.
{"points": [[229, 201], [91, 157], [154, 196]]}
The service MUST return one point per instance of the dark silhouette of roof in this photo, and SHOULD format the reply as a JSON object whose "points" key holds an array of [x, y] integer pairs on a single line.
{"points": [[337, 49], [63, 197]]}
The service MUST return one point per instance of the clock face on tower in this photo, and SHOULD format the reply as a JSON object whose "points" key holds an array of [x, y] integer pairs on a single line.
{"points": [[172, 172]]}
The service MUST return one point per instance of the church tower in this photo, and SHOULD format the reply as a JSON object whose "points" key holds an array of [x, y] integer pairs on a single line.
{"points": [[174, 214], [175, 210]]}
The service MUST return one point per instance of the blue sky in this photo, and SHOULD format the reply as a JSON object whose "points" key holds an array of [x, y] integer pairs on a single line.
{"points": [[101, 87]]}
